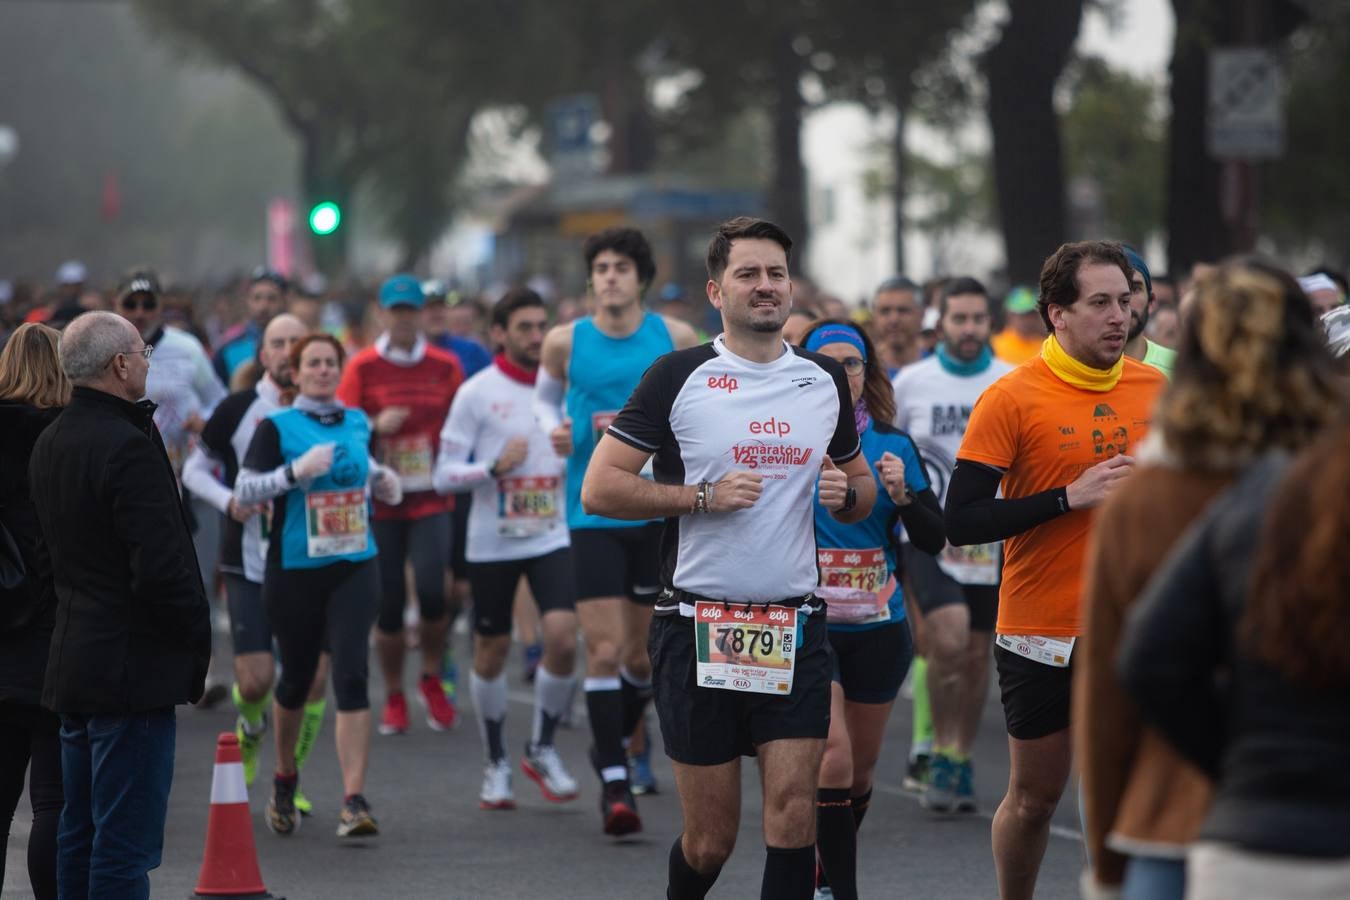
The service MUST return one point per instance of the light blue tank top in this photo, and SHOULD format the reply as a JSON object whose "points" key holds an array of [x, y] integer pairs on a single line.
{"points": [[602, 373], [330, 521]]}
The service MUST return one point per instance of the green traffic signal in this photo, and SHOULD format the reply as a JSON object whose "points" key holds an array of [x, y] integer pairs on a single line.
{"points": [[325, 217]]}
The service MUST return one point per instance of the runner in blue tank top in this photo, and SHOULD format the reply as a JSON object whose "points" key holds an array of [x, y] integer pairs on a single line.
{"points": [[311, 463], [588, 369], [866, 615]]}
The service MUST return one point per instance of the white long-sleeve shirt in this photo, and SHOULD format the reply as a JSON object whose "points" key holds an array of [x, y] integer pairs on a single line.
{"points": [[182, 383], [518, 515]]}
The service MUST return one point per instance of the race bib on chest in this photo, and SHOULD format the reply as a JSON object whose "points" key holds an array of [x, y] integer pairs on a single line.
{"points": [[856, 583], [749, 650], [1049, 651], [600, 423], [335, 523], [527, 506], [976, 564], [410, 457]]}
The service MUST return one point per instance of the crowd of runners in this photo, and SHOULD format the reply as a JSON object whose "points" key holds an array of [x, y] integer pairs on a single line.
{"points": [[767, 530]]}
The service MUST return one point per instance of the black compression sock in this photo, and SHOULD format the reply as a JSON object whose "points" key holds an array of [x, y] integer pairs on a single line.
{"points": [[860, 804], [604, 706], [789, 874], [634, 701], [686, 883], [836, 840]]}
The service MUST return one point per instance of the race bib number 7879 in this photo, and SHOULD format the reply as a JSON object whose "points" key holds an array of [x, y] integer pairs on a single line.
{"points": [[740, 649]]}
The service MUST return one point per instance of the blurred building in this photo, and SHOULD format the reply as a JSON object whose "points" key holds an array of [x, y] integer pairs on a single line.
{"points": [[537, 232]]}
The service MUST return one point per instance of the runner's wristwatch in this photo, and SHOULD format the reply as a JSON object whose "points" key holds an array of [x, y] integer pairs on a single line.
{"points": [[850, 500]]}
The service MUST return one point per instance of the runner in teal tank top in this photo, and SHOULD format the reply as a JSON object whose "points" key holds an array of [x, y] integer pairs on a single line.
{"points": [[587, 370], [601, 373]]}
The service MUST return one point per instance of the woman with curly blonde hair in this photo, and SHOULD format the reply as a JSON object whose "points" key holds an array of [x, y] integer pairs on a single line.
{"points": [[1252, 375]]}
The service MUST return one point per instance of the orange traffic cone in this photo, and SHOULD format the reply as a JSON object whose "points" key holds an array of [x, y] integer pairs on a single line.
{"points": [[230, 862]]}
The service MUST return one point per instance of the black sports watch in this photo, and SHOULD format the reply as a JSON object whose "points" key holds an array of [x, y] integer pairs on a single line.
{"points": [[850, 500]]}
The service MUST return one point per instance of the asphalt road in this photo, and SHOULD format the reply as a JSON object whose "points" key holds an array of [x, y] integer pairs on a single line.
{"points": [[435, 842]]}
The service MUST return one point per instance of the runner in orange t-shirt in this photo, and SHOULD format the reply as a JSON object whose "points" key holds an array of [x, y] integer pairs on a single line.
{"points": [[1055, 434]]}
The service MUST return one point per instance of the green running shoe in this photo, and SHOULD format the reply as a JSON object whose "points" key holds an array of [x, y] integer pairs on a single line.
{"points": [[303, 805]]}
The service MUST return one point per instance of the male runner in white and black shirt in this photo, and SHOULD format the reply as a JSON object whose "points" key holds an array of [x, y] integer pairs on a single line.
{"points": [[742, 430]]}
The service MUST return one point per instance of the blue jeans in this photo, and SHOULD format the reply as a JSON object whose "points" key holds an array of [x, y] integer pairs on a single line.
{"points": [[116, 771], [1154, 878]]}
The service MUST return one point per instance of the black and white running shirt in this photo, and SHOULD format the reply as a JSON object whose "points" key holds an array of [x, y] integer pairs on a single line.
{"points": [[225, 440], [705, 412]]}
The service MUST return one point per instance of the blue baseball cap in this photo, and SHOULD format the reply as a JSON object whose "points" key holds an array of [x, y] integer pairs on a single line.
{"points": [[402, 290]]}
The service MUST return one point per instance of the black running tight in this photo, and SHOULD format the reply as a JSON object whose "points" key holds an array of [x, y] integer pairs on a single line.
{"points": [[32, 746]]}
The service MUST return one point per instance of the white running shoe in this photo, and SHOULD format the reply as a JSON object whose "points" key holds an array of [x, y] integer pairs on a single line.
{"points": [[545, 768], [496, 792]]}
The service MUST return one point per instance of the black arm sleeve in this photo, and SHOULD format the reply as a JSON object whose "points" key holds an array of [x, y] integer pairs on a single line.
{"points": [[264, 451], [974, 516], [923, 522]]}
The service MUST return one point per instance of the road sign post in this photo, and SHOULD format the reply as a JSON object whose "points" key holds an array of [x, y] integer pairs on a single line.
{"points": [[1244, 124]]}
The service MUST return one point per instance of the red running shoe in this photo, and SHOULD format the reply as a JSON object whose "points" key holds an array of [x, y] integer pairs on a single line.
{"points": [[394, 719], [441, 713]]}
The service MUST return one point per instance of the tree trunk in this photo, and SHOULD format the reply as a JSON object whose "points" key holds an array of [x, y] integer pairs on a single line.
{"points": [[1194, 219], [787, 186], [1197, 229], [623, 101], [1022, 69]]}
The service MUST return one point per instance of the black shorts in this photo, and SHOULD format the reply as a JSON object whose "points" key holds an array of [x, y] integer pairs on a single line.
{"points": [[934, 589], [710, 726], [1035, 696], [459, 535], [871, 665], [250, 630], [494, 588], [618, 562]]}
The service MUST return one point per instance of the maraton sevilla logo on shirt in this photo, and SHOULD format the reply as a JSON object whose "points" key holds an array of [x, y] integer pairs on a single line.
{"points": [[763, 455]]}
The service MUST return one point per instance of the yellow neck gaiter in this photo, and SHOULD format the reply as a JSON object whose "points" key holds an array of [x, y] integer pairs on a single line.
{"points": [[1073, 372]]}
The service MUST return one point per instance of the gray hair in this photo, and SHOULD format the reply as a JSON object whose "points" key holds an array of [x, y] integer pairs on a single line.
{"points": [[90, 342], [897, 283]]}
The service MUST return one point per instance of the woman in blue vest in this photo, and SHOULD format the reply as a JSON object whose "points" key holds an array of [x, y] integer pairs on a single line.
{"points": [[866, 608], [311, 463]]}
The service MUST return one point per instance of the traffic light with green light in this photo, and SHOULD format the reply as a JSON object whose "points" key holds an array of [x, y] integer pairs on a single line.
{"points": [[325, 217]]}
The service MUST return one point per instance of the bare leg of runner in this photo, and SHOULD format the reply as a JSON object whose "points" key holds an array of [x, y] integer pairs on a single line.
{"points": [[1038, 771]]}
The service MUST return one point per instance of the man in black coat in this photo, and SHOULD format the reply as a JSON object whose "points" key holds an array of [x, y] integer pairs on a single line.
{"points": [[133, 632]]}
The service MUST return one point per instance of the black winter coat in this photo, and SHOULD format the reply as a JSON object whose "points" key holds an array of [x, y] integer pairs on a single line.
{"points": [[28, 611], [133, 629]]}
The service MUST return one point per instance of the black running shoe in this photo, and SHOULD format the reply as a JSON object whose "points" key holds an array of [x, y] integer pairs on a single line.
{"points": [[618, 809]]}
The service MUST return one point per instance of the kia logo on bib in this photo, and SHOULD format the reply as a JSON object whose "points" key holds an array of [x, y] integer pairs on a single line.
{"points": [[771, 426], [722, 383]]}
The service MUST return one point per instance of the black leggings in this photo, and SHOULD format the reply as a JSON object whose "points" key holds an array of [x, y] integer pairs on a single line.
{"points": [[339, 600], [32, 736], [426, 541]]}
